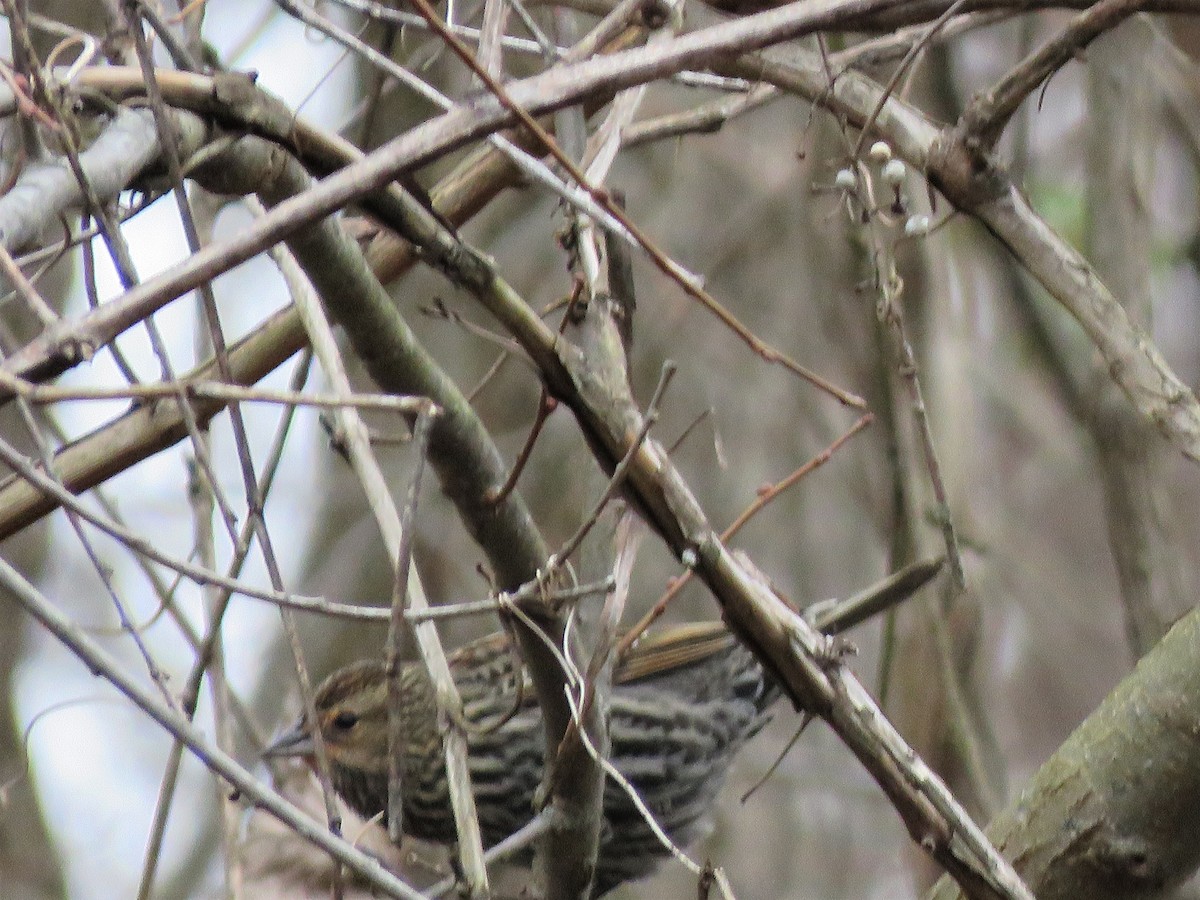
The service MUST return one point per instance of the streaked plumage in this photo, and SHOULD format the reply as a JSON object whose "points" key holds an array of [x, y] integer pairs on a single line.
{"points": [[682, 705]]}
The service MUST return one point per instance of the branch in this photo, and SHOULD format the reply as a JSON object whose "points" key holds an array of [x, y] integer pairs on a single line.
{"points": [[396, 530], [1111, 815], [988, 113], [46, 189]]}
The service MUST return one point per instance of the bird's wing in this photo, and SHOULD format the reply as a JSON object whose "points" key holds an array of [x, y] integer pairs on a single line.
{"points": [[490, 660], [674, 648]]}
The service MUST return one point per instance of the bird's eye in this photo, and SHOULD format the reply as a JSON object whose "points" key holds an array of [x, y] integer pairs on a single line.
{"points": [[345, 720]]}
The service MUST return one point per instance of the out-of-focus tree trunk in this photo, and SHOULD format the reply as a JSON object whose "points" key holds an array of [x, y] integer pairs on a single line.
{"points": [[1125, 110], [28, 857]]}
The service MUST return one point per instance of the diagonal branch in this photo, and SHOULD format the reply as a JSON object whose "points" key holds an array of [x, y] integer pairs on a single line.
{"points": [[1111, 815], [987, 115]]}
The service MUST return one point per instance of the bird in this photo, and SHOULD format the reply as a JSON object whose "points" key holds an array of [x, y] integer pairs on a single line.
{"points": [[682, 704]]}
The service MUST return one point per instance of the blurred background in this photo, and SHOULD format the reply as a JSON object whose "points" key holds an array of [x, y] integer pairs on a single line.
{"points": [[1035, 460]]}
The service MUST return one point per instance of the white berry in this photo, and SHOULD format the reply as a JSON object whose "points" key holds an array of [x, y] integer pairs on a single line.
{"points": [[916, 225], [894, 172]]}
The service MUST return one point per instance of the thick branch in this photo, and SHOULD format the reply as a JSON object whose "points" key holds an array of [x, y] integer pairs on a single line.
{"points": [[45, 190], [461, 451], [1112, 814]]}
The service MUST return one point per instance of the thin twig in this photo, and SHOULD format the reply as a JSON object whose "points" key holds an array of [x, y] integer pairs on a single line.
{"points": [[531, 166], [206, 650], [618, 476], [760, 502], [806, 719], [13, 458], [533, 590], [836, 616], [398, 628], [25, 289], [918, 45], [889, 285], [211, 390], [103, 571], [546, 405], [516, 842], [704, 119]]}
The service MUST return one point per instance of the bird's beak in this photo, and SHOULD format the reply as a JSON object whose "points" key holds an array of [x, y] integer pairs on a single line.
{"points": [[296, 741]]}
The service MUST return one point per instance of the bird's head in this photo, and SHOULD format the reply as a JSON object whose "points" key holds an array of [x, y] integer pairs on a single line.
{"points": [[352, 715]]}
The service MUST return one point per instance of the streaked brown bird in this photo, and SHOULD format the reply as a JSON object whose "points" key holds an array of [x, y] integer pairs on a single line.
{"points": [[683, 703]]}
